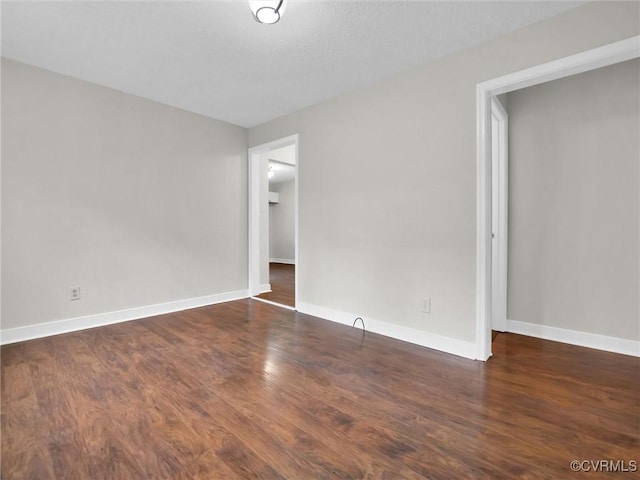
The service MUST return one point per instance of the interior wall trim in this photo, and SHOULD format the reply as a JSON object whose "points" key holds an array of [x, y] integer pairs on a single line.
{"points": [[288, 261], [454, 346], [47, 329], [574, 337]]}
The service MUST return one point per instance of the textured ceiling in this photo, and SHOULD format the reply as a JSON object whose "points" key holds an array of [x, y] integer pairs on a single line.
{"points": [[212, 58]]}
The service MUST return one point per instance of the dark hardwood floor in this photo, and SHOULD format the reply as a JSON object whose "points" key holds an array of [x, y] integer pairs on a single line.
{"points": [[248, 390], [283, 284]]}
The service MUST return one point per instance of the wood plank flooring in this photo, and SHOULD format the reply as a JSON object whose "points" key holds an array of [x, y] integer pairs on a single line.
{"points": [[282, 278], [247, 390]]}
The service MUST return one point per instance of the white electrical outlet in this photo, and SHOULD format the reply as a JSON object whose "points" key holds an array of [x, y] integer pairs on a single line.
{"points": [[426, 305], [74, 293]]}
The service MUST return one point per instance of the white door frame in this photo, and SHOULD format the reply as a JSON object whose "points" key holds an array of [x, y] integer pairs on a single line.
{"points": [[582, 62], [499, 213], [255, 239]]}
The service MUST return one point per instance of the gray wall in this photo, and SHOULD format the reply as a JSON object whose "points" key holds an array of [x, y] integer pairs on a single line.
{"points": [[264, 220], [282, 222], [387, 189], [136, 202], [574, 178]]}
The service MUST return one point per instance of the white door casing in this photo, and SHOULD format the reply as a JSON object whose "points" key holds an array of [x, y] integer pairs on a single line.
{"points": [[255, 259]]}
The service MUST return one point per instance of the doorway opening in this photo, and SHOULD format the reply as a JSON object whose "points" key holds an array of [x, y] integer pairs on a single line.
{"points": [[273, 222], [490, 273]]}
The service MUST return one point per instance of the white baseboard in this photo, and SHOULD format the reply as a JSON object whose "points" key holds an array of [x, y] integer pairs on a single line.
{"points": [[573, 337], [30, 332], [282, 260], [262, 288], [275, 304], [419, 337]]}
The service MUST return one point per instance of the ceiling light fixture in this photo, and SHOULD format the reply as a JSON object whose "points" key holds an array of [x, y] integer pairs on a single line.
{"points": [[267, 11]]}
